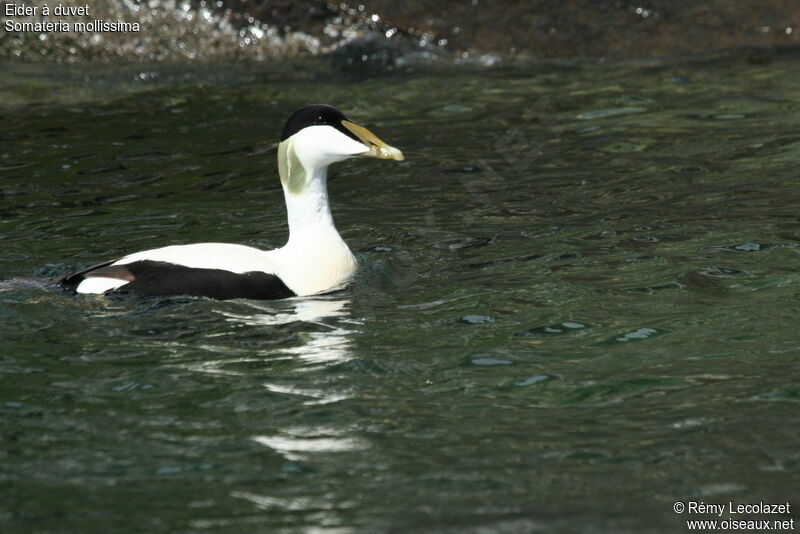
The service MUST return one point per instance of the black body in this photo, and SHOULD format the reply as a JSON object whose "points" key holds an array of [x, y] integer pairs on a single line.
{"points": [[158, 278]]}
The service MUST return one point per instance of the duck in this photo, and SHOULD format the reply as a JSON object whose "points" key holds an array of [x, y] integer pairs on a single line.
{"points": [[315, 258]]}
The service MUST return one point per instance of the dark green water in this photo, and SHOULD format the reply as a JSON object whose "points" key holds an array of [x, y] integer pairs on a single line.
{"points": [[578, 302]]}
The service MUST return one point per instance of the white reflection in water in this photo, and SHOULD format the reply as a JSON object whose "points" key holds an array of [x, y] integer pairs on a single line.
{"points": [[296, 443], [306, 309], [326, 341], [293, 448], [326, 509], [316, 396], [329, 345], [320, 347]]}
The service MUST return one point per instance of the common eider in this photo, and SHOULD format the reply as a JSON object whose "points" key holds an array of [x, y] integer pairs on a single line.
{"points": [[314, 260]]}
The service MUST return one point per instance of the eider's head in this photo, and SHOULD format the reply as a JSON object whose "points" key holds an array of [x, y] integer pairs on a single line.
{"points": [[316, 136]]}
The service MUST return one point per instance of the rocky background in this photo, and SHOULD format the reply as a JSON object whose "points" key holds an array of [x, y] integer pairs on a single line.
{"points": [[557, 28], [480, 30]]}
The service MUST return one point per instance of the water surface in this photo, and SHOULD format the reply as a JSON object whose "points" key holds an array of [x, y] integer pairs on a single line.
{"points": [[577, 303]]}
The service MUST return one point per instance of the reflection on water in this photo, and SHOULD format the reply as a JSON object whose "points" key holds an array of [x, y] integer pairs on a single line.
{"points": [[295, 443], [331, 344], [317, 348], [305, 309], [322, 329], [328, 345]]}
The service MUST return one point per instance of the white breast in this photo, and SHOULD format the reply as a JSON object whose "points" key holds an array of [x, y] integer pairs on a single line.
{"points": [[327, 266]]}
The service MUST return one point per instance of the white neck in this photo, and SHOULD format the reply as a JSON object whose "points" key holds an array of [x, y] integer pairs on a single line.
{"points": [[315, 259], [309, 212]]}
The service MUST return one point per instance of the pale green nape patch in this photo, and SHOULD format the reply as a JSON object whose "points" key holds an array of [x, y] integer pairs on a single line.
{"points": [[293, 175]]}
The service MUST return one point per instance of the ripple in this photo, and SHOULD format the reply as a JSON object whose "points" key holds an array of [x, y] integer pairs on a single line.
{"points": [[552, 330], [611, 112], [638, 335], [295, 505], [790, 393], [743, 247], [538, 379], [486, 361], [477, 319]]}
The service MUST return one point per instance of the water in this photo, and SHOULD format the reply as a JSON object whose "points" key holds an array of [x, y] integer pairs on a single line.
{"points": [[577, 303]]}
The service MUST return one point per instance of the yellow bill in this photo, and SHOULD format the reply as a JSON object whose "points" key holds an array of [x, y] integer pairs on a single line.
{"points": [[377, 148]]}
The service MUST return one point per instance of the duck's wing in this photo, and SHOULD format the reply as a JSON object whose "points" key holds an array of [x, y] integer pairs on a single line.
{"points": [[71, 281], [218, 271]]}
